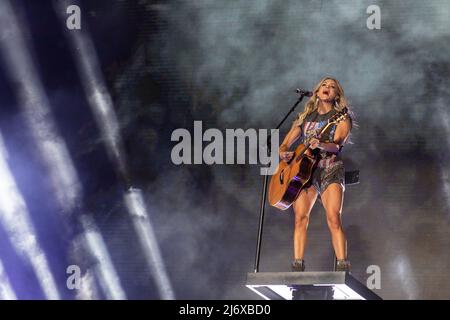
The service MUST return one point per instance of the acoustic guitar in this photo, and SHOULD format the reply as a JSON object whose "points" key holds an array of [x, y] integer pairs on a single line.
{"points": [[291, 177]]}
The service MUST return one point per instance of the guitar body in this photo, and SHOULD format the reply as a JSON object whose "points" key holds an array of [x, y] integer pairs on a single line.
{"points": [[290, 179]]}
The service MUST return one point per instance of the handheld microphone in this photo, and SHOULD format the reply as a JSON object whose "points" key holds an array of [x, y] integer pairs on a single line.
{"points": [[304, 92]]}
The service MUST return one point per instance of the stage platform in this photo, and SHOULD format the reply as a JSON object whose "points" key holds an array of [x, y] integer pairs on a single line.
{"points": [[308, 286]]}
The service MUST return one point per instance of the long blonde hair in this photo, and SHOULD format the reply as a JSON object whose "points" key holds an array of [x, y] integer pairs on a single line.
{"points": [[313, 102]]}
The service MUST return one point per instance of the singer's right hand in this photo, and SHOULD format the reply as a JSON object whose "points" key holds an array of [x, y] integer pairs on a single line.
{"points": [[286, 155]]}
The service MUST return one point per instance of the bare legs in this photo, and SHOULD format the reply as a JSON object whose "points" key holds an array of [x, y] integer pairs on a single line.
{"points": [[332, 200], [302, 209]]}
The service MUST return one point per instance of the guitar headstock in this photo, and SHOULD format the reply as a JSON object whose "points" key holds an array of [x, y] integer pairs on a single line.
{"points": [[338, 117]]}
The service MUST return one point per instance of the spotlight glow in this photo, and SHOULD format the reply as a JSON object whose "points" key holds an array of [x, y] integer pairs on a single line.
{"points": [[108, 277], [444, 117], [16, 222], [6, 291], [88, 290], [95, 89], [102, 107], [53, 150], [35, 106], [136, 207], [405, 274]]}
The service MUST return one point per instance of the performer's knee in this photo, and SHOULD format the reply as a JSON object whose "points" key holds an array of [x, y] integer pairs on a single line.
{"points": [[302, 222], [334, 222]]}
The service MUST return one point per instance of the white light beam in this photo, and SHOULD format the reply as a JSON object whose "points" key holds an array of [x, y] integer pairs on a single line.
{"points": [[15, 218], [102, 107]]}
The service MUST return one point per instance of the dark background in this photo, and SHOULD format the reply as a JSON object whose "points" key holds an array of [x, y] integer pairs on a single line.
{"points": [[234, 64]]}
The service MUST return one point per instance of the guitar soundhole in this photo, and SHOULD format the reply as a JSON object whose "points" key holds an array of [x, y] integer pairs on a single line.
{"points": [[282, 177]]}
